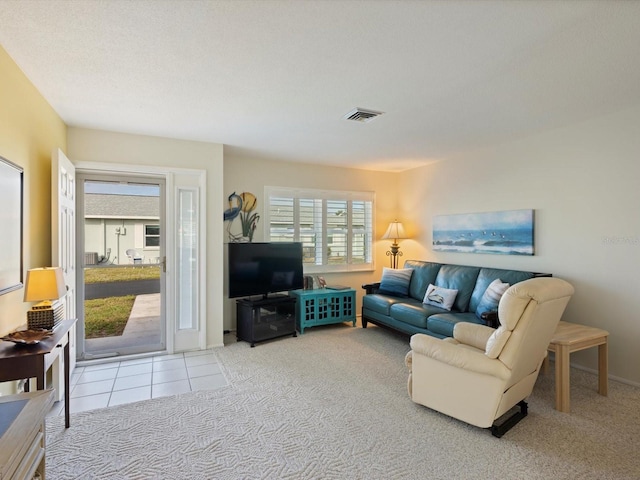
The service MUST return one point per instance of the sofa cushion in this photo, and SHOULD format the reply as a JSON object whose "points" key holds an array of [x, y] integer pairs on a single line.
{"points": [[379, 303], [440, 297], [412, 312], [488, 275], [491, 297], [461, 278], [395, 281], [443, 323], [424, 273]]}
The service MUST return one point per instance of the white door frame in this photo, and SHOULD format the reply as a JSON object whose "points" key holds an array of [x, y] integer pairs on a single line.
{"points": [[174, 180]]}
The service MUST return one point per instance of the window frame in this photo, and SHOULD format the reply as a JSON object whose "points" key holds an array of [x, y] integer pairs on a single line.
{"points": [[320, 199], [144, 236]]}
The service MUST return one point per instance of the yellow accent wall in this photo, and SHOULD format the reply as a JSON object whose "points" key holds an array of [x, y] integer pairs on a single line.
{"points": [[29, 131]]}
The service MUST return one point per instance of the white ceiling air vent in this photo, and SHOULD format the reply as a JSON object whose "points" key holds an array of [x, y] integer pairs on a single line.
{"points": [[362, 115]]}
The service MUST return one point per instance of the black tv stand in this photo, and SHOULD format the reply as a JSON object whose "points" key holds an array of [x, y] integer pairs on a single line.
{"points": [[276, 297], [265, 318]]}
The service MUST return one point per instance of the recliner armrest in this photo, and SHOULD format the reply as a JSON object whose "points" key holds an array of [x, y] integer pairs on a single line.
{"points": [[472, 334], [371, 287], [491, 318], [456, 356]]}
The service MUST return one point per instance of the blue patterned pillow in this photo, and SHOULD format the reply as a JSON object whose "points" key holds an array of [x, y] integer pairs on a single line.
{"points": [[491, 297], [395, 281]]}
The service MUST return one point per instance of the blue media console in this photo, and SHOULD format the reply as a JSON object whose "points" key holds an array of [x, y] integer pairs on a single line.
{"points": [[323, 307]]}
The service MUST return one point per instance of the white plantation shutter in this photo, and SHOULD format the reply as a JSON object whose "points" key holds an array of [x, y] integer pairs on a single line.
{"points": [[335, 228], [362, 231], [337, 232], [310, 230], [282, 224]]}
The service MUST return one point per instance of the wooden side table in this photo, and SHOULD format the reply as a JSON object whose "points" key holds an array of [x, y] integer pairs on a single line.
{"points": [[28, 361], [569, 338]]}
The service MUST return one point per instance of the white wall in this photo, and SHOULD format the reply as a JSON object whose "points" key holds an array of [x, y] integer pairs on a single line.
{"points": [[250, 175], [101, 235], [86, 145], [582, 181]]}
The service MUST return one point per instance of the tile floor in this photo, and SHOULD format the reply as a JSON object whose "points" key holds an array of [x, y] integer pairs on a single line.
{"points": [[126, 381]]}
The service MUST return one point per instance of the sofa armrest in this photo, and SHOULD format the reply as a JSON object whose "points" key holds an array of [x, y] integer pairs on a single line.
{"points": [[491, 318], [472, 334], [371, 287], [457, 356]]}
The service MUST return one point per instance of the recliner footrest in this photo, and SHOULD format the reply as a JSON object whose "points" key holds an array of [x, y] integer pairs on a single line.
{"points": [[499, 428]]}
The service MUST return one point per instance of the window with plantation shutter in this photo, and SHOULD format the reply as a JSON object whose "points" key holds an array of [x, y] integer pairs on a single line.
{"points": [[335, 228]]}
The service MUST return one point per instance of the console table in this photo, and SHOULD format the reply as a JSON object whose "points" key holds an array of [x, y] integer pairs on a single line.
{"points": [[324, 306], [22, 434], [32, 361]]}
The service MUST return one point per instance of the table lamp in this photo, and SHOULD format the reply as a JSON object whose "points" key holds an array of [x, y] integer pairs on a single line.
{"points": [[394, 232], [45, 285]]}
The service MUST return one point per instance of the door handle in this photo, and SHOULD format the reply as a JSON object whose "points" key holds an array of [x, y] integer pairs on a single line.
{"points": [[164, 264]]}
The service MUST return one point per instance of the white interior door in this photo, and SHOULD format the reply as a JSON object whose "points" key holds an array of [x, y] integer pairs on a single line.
{"points": [[63, 232]]}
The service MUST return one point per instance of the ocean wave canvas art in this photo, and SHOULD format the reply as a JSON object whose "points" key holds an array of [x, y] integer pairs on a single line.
{"points": [[503, 233]]}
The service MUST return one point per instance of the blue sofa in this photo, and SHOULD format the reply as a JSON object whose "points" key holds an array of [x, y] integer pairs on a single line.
{"points": [[409, 315]]}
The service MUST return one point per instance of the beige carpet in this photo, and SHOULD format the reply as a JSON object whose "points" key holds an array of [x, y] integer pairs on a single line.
{"points": [[332, 404]]}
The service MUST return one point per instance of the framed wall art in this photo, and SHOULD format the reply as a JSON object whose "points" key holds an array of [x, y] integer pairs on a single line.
{"points": [[11, 213], [504, 233]]}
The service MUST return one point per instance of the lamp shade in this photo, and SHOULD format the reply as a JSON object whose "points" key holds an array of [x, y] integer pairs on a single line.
{"points": [[395, 231], [44, 284]]}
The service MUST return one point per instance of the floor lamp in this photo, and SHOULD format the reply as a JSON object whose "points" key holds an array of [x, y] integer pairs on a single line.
{"points": [[394, 232]]}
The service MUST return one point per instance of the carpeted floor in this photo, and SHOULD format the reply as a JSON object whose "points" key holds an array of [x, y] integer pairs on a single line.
{"points": [[332, 404]]}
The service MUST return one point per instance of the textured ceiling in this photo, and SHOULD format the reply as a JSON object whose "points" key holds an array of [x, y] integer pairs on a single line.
{"points": [[273, 79]]}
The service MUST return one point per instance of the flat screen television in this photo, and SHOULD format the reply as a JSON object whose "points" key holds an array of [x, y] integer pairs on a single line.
{"points": [[263, 268]]}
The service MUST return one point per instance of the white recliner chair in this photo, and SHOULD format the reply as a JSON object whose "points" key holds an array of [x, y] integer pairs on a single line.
{"points": [[481, 374]]}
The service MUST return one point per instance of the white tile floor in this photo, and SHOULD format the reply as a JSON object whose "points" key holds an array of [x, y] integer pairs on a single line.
{"points": [[127, 381]]}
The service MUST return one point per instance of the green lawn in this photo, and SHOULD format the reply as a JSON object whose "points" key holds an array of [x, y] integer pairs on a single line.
{"points": [[121, 274], [107, 317]]}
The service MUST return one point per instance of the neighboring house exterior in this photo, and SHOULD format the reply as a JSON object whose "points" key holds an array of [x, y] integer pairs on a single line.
{"points": [[115, 224]]}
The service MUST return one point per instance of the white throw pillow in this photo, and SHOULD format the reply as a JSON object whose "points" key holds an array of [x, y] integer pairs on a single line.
{"points": [[440, 297], [491, 297]]}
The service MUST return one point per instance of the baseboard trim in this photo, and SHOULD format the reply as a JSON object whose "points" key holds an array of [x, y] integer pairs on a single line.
{"points": [[595, 372]]}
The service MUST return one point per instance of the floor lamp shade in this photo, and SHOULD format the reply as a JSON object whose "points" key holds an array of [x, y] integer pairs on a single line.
{"points": [[395, 231]]}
